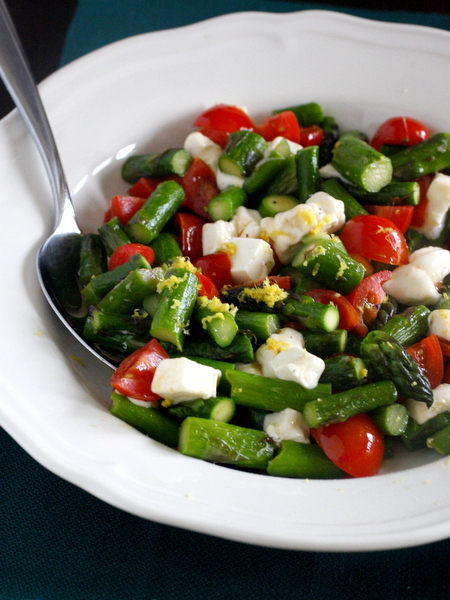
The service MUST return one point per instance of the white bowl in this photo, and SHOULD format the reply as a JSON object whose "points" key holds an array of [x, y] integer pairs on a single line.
{"points": [[142, 93]]}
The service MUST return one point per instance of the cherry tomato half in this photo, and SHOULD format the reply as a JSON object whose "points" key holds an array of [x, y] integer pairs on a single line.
{"points": [[283, 124], [311, 136], [400, 131], [216, 266], [190, 229], [376, 238], [122, 254], [400, 215], [356, 446], [134, 375], [124, 207], [207, 286], [200, 187], [366, 297], [428, 355], [224, 117]]}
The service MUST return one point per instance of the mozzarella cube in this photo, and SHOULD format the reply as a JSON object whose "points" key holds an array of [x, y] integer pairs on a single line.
{"points": [[297, 364], [200, 146], [252, 259], [439, 323], [438, 204], [217, 236], [225, 180], [410, 285], [181, 379], [247, 222], [434, 261], [282, 340], [287, 424], [420, 412], [321, 213]]}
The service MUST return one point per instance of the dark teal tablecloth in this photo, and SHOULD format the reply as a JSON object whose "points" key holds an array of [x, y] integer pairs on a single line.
{"points": [[58, 542]]}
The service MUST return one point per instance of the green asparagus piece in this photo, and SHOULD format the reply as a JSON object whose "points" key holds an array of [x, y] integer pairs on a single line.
{"points": [[261, 324], [325, 262], [220, 325], [361, 164], [150, 421], [391, 419], [309, 313], [122, 343], [92, 258], [339, 407], [387, 359], [173, 161], [99, 286], [440, 441], [113, 235], [225, 443], [240, 349], [307, 162], [220, 408], [224, 205], [175, 305], [166, 247], [325, 343], [263, 173], [271, 394], [275, 203], [306, 461], [416, 436], [306, 114], [424, 158], [130, 292], [285, 181], [394, 193], [344, 371], [158, 209], [243, 151], [408, 327]]}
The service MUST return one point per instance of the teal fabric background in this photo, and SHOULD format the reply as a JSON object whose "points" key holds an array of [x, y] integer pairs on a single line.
{"points": [[58, 542]]}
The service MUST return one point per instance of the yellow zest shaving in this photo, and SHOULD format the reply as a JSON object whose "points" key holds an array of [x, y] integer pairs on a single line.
{"points": [[170, 282], [276, 346], [183, 262], [269, 293]]}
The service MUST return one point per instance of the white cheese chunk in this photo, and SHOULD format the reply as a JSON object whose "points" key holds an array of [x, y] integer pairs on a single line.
{"points": [[410, 285], [439, 323], [253, 368], [247, 222], [283, 356], [216, 236], [434, 261], [225, 180], [200, 146], [252, 259], [287, 424], [441, 403], [181, 379], [320, 213], [438, 204]]}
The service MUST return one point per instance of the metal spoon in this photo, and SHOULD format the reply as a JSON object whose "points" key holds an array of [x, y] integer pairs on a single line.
{"points": [[58, 258]]}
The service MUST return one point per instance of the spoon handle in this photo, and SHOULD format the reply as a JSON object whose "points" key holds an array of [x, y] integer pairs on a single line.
{"points": [[18, 79]]}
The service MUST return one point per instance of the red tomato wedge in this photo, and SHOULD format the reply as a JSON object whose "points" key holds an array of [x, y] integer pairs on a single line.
{"points": [[428, 355], [366, 297], [224, 117], [349, 316], [124, 207], [445, 348], [134, 376], [400, 131], [282, 124], [200, 187], [190, 228], [207, 286], [311, 136], [216, 266], [144, 187], [400, 215], [420, 211], [376, 238], [356, 446], [122, 254]]}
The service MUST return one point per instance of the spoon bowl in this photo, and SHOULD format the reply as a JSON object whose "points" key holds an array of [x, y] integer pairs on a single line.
{"points": [[58, 258]]}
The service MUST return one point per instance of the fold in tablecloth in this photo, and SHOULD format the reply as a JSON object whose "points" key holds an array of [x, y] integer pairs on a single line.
{"points": [[59, 543]]}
